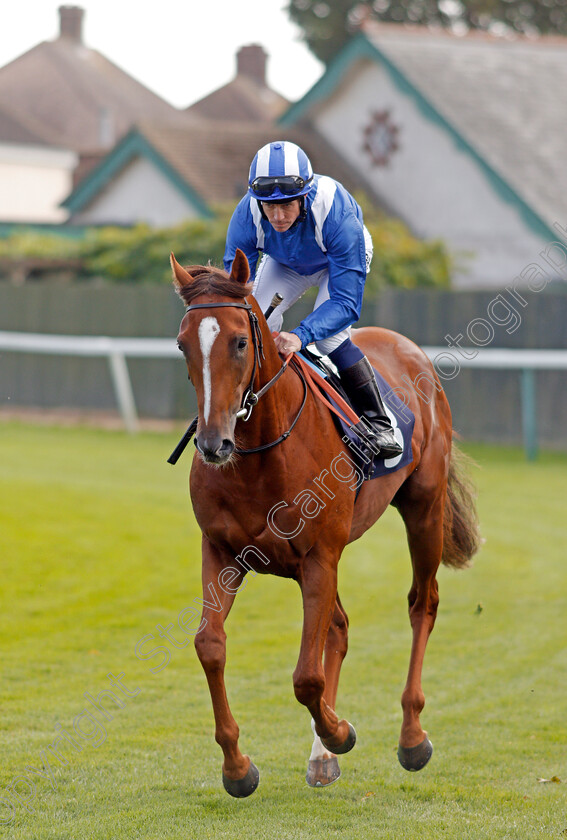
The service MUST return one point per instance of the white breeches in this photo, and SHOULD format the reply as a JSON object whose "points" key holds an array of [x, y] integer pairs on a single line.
{"points": [[272, 277]]}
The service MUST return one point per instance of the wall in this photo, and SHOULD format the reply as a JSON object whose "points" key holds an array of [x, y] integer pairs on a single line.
{"points": [[34, 181], [120, 202]]}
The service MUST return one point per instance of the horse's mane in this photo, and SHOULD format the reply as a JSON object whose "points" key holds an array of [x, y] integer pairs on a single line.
{"points": [[208, 280]]}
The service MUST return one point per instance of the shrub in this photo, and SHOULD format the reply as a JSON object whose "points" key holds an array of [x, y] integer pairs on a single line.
{"points": [[140, 254]]}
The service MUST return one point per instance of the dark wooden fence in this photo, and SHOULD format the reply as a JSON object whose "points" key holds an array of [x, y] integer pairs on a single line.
{"points": [[485, 404], [160, 387]]}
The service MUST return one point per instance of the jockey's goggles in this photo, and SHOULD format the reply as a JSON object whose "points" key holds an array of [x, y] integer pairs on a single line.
{"points": [[287, 185]]}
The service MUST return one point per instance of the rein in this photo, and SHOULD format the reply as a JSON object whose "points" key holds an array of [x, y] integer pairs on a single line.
{"points": [[250, 398], [285, 435]]}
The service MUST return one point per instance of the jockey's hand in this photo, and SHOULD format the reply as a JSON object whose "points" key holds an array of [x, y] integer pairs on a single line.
{"points": [[287, 343]]}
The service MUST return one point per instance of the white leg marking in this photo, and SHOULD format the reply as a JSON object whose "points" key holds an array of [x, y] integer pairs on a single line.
{"points": [[208, 331], [318, 750]]}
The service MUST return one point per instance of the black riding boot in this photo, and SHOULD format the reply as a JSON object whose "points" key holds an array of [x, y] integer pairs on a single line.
{"points": [[359, 382]]}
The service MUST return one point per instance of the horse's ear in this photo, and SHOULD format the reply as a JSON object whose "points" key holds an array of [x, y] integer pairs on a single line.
{"points": [[181, 277], [240, 269]]}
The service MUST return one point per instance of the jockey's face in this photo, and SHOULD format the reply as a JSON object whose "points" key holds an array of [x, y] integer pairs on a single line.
{"points": [[281, 216]]}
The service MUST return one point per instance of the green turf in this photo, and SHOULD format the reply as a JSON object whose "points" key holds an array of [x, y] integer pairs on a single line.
{"points": [[98, 546]]}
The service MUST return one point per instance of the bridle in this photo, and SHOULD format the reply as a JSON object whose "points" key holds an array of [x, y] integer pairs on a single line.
{"points": [[250, 397]]}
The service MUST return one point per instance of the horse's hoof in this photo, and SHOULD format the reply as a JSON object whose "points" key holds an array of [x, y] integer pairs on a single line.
{"points": [[346, 746], [415, 758], [322, 771], [245, 786]]}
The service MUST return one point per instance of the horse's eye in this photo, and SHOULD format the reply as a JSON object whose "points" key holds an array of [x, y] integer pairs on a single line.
{"points": [[180, 347], [242, 343]]}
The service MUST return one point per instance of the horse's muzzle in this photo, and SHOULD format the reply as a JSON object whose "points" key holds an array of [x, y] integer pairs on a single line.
{"points": [[214, 449]]}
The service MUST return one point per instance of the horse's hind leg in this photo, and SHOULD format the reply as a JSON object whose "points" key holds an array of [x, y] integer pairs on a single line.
{"points": [[240, 776], [323, 768], [423, 517]]}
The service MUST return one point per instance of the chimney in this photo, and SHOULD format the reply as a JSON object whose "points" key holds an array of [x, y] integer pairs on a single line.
{"points": [[71, 23], [251, 61]]}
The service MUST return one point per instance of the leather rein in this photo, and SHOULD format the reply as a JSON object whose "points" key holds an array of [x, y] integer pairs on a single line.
{"points": [[251, 397]]}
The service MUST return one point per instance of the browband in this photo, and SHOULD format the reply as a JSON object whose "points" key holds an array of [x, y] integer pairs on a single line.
{"points": [[216, 305]]}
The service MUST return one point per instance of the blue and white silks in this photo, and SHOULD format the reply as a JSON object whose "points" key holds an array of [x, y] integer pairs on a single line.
{"points": [[330, 236]]}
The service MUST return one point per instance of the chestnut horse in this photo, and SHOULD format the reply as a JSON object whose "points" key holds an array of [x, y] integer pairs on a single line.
{"points": [[276, 495]]}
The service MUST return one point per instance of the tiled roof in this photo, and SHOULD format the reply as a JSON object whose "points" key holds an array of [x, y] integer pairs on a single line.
{"points": [[243, 98], [208, 161], [72, 90], [507, 98], [214, 157], [248, 96], [17, 129]]}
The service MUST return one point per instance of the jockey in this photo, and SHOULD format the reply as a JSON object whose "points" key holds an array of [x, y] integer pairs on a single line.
{"points": [[310, 232]]}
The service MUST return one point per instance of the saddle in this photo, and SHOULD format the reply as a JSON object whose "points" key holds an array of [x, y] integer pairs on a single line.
{"points": [[325, 370], [345, 417]]}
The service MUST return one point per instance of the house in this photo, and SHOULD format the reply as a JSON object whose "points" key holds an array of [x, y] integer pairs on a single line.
{"points": [[124, 154], [247, 97], [162, 175], [35, 173], [464, 138], [80, 97], [62, 107]]}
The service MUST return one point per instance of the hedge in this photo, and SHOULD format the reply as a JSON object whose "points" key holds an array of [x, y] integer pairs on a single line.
{"points": [[140, 254]]}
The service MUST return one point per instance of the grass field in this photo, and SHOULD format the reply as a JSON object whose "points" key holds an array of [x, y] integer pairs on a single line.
{"points": [[99, 546]]}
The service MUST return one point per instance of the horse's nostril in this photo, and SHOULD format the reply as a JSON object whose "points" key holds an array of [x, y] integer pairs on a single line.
{"points": [[208, 444], [214, 449]]}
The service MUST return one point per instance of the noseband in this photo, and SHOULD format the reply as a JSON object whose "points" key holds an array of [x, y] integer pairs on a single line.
{"points": [[250, 398]]}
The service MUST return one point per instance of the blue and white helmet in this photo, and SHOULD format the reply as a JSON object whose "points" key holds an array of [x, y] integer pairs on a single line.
{"points": [[280, 171]]}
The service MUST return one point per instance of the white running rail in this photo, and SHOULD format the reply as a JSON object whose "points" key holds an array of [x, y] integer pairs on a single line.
{"points": [[117, 350]]}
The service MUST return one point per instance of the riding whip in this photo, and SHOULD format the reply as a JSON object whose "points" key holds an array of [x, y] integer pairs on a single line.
{"points": [[276, 300], [177, 452]]}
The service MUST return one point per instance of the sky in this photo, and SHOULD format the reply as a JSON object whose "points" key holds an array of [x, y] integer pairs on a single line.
{"points": [[180, 49]]}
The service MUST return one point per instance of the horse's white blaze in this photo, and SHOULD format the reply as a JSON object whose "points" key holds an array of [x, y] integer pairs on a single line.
{"points": [[208, 331], [318, 751]]}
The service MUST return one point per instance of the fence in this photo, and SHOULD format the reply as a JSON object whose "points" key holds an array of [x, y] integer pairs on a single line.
{"points": [[117, 350], [489, 403], [486, 402]]}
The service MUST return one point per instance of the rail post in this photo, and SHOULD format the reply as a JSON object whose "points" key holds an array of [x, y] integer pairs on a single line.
{"points": [[123, 390], [529, 405]]}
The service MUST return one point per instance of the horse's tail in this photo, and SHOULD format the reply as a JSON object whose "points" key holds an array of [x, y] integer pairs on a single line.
{"points": [[461, 534]]}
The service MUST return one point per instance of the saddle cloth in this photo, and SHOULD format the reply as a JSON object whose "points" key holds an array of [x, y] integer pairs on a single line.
{"points": [[400, 415]]}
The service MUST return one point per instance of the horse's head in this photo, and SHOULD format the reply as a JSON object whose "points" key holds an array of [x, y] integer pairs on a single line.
{"points": [[218, 339]]}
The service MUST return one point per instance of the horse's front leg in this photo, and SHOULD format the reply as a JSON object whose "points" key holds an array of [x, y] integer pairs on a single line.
{"points": [[319, 590], [323, 768], [240, 776]]}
